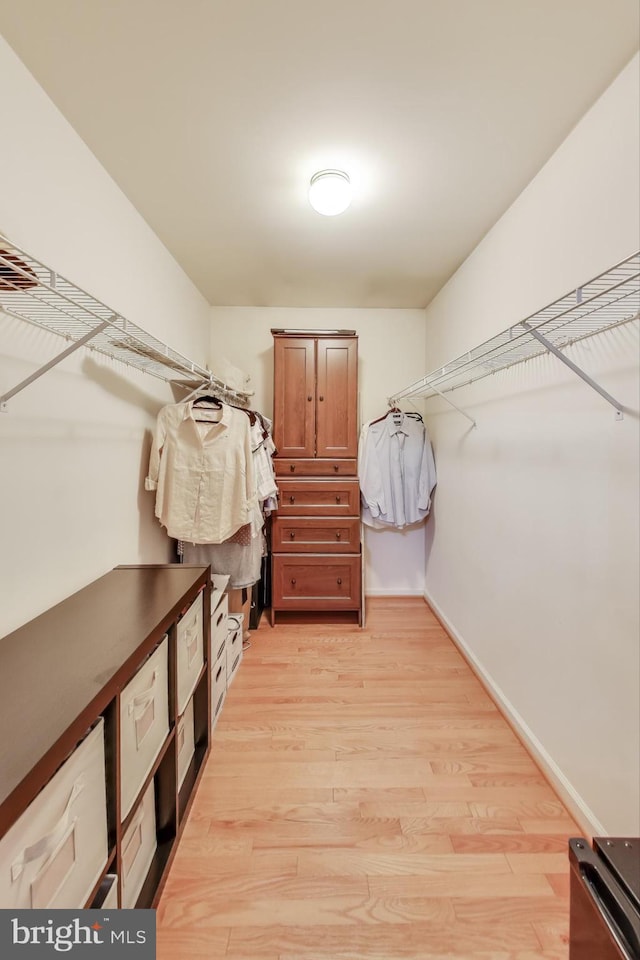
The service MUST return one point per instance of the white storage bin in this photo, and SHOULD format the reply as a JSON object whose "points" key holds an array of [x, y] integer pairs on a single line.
{"points": [[234, 645], [54, 854], [219, 584], [219, 629], [190, 651], [218, 686], [144, 724], [138, 847], [217, 708], [186, 742]]}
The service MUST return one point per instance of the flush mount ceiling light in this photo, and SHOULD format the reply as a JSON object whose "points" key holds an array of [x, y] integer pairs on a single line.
{"points": [[330, 192]]}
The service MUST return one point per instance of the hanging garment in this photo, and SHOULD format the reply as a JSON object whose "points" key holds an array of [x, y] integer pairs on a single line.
{"points": [[241, 563], [396, 470], [263, 448], [202, 473]]}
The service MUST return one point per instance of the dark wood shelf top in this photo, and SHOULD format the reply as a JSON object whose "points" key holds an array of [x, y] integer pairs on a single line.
{"points": [[60, 670]]}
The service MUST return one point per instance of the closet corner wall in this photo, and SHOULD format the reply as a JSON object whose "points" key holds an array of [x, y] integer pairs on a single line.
{"points": [[315, 541]]}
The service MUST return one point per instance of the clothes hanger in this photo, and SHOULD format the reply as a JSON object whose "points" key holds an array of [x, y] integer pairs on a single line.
{"points": [[384, 417], [211, 402]]}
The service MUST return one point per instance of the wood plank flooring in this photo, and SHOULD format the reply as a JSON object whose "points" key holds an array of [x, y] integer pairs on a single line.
{"points": [[365, 800]]}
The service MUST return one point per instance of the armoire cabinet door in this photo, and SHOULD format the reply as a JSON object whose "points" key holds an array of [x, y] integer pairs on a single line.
{"points": [[337, 397], [294, 406]]}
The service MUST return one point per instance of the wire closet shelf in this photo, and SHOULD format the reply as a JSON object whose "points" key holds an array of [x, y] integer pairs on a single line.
{"points": [[33, 292], [607, 301]]}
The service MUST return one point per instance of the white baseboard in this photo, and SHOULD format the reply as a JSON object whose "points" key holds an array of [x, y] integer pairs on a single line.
{"points": [[386, 592], [574, 803]]}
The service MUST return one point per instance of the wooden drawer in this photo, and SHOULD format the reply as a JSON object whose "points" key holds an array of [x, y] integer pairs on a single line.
{"points": [[319, 467], [311, 535], [319, 498], [316, 583]]}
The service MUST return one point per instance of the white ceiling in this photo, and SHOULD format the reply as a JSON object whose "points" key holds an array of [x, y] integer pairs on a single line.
{"points": [[212, 115]]}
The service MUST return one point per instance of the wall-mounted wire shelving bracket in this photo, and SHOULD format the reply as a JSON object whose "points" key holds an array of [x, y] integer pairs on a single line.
{"points": [[607, 301], [47, 366], [576, 369], [33, 292]]}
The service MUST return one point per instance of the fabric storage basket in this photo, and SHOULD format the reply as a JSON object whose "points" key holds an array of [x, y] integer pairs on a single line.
{"points": [[186, 742], [144, 724], [218, 685], [190, 651], [138, 847], [219, 629], [234, 645], [53, 855]]}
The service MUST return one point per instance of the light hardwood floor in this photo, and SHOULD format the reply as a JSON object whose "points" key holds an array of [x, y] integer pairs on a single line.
{"points": [[365, 800]]}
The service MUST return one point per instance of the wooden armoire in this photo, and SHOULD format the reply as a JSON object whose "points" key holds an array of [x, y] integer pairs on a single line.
{"points": [[315, 536]]}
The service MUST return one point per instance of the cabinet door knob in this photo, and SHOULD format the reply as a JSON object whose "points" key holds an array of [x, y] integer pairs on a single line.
{"points": [[338, 535], [338, 498], [339, 582], [292, 467], [293, 581], [310, 398], [292, 534], [320, 398], [292, 499]]}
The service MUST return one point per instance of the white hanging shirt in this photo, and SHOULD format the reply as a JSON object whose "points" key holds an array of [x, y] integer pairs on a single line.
{"points": [[203, 474], [396, 470]]}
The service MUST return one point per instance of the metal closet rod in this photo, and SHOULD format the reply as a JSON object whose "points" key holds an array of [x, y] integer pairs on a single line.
{"points": [[610, 299], [32, 292]]}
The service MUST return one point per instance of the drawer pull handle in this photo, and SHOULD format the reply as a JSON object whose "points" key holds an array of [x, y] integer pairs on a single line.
{"points": [[292, 467], [338, 498], [293, 581], [338, 535], [336, 467], [292, 499], [339, 581], [292, 534]]}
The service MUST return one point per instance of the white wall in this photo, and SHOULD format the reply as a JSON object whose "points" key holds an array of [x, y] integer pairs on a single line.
{"points": [[532, 557], [391, 347], [74, 445]]}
